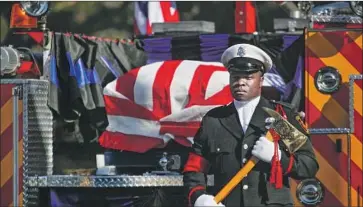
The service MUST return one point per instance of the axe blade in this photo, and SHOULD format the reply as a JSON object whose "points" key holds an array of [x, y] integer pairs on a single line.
{"points": [[289, 135]]}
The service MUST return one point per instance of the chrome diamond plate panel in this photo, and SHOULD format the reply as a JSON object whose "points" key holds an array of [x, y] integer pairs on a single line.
{"points": [[109, 181], [37, 134], [337, 19]]}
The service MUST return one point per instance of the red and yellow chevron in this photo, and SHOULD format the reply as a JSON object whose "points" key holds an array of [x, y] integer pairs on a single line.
{"points": [[6, 146], [343, 51]]}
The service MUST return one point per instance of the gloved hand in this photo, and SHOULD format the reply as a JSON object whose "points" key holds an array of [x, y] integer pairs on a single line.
{"points": [[264, 150], [206, 200]]}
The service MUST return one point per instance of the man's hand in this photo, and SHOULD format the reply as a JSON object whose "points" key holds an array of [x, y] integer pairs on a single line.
{"points": [[264, 150], [206, 200]]}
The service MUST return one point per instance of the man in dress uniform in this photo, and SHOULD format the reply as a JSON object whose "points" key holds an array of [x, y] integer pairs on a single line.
{"points": [[229, 135]]}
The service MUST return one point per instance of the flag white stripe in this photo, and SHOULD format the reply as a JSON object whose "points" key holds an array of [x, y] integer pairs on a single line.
{"points": [[193, 113], [155, 12], [179, 87], [216, 83], [110, 90], [134, 126], [141, 20], [143, 89]]}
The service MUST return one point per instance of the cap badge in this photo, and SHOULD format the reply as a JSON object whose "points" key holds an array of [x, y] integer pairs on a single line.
{"points": [[241, 52]]}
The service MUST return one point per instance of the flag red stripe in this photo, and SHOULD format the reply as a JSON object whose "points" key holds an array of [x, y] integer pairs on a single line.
{"points": [[128, 142], [122, 107], [161, 88], [149, 28], [166, 10], [161, 96], [183, 129], [125, 84], [221, 98], [199, 85]]}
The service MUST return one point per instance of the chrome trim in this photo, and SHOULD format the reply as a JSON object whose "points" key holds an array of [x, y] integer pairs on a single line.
{"points": [[349, 146], [329, 131], [26, 194], [352, 78], [16, 94], [307, 189], [37, 139], [336, 19], [115, 181], [326, 76]]}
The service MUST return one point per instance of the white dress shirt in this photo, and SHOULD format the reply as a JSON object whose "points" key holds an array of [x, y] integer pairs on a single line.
{"points": [[245, 111]]}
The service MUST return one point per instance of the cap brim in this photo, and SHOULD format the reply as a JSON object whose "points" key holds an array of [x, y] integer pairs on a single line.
{"points": [[244, 71]]}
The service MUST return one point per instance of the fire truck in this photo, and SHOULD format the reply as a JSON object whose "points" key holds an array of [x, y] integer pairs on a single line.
{"points": [[332, 81]]}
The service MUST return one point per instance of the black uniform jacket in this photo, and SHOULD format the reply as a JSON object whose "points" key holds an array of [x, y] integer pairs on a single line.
{"points": [[221, 148]]}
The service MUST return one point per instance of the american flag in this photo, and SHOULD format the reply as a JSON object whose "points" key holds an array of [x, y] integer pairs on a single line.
{"points": [[148, 12], [150, 105]]}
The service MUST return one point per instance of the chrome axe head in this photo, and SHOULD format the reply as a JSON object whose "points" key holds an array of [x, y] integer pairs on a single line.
{"points": [[289, 135]]}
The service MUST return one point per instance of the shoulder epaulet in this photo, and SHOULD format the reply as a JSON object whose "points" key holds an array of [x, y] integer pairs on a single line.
{"points": [[287, 105], [297, 117]]}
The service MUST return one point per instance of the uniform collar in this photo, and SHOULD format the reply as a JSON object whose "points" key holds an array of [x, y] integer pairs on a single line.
{"points": [[250, 103]]}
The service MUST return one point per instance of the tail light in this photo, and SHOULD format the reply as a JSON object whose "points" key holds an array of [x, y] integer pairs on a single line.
{"points": [[28, 14], [18, 61], [20, 19]]}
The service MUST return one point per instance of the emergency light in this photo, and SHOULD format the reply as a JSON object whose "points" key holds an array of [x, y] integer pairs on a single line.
{"points": [[25, 14], [310, 192], [18, 61], [10, 60], [357, 7], [328, 80], [35, 8], [19, 18]]}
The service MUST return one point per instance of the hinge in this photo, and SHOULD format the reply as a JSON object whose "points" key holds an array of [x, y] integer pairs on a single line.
{"points": [[18, 91]]}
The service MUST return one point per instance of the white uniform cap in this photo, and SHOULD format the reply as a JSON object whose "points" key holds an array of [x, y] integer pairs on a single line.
{"points": [[248, 52]]}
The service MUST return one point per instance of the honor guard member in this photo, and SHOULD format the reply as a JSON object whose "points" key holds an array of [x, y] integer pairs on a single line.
{"points": [[229, 135]]}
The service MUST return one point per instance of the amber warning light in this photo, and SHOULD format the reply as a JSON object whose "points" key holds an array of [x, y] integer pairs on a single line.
{"points": [[19, 18]]}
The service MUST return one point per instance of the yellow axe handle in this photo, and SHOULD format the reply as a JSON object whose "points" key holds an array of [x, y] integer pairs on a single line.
{"points": [[222, 194]]}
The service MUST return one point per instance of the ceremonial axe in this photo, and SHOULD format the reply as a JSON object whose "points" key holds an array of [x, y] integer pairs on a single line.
{"points": [[292, 138]]}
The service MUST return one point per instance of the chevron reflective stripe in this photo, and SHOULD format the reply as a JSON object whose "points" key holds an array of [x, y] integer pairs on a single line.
{"points": [[6, 147], [343, 51]]}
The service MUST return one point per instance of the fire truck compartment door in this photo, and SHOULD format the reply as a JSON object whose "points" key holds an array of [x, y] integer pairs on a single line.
{"points": [[331, 58]]}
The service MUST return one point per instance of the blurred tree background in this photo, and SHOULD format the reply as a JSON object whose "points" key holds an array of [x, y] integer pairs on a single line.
{"points": [[115, 19]]}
